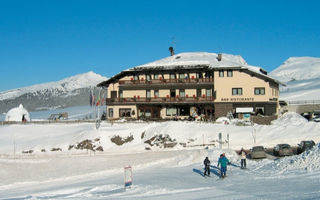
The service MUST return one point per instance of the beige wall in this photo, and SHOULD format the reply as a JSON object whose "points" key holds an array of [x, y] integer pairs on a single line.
{"points": [[223, 87], [132, 93], [113, 87]]}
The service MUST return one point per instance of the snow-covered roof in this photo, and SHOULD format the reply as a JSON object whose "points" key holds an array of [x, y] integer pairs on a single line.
{"points": [[193, 60], [196, 58]]}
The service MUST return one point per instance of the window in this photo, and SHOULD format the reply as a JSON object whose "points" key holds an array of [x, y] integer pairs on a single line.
{"points": [[147, 113], [199, 93], [260, 110], [125, 112], [208, 92], [113, 94], [236, 91], [156, 76], [182, 93], [171, 111], [135, 77], [208, 74], [148, 77], [199, 75], [172, 76], [156, 93], [110, 112], [259, 91], [181, 76], [184, 111], [229, 73], [172, 93], [221, 73], [120, 93], [148, 94]]}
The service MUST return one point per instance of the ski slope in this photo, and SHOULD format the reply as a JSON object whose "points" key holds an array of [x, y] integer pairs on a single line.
{"points": [[158, 173]]}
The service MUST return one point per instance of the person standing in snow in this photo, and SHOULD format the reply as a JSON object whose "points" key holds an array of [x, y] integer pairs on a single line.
{"points": [[223, 162], [243, 155], [206, 163]]}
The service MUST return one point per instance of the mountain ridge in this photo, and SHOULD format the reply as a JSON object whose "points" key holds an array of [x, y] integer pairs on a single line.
{"points": [[71, 91]]}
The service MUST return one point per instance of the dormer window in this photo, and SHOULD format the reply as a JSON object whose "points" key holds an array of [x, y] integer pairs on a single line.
{"points": [[229, 73], [221, 73]]}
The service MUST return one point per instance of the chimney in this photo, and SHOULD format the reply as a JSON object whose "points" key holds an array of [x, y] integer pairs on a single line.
{"points": [[219, 58], [171, 51]]}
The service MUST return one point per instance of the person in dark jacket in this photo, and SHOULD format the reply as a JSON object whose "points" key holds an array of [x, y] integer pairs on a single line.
{"points": [[206, 163], [223, 161]]}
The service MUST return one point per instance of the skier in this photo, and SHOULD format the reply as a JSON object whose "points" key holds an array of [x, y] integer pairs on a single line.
{"points": [[243, 155], [206, 163], [223, 161]]}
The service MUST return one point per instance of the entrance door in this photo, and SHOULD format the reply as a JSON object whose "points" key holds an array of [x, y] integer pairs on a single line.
{"points": [[172, 93]]}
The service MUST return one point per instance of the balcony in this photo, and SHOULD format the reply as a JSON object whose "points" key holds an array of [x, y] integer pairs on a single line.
{"points": [[159, 100], [135, 83]]}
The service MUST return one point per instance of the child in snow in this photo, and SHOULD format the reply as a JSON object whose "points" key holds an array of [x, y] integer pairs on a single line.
{"points": [[206, 163], [243, 155], [223, 161]]}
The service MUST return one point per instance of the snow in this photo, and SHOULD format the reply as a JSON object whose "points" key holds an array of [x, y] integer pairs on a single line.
{"points": [[157, 173], [198, 58], [298, 68], [16, 114], [302, 78], [69, 84], [194, 59]]}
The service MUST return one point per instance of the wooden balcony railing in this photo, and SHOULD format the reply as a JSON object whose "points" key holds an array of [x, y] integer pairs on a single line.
{"points": [[166, 81], [160, 100]]}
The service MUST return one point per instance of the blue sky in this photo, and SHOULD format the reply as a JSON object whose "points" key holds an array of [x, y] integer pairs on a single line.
{"points": [[43, 41]]}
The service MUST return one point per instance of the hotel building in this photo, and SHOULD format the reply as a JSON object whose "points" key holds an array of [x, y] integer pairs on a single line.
{"points": [[198, 84]]}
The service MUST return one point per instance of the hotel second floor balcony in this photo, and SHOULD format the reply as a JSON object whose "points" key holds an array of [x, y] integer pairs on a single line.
{"points": [[165, 82], [160, 100]]}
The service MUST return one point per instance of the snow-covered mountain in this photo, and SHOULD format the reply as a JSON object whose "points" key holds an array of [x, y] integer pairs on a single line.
{"points": [[72, 91], [302, 77]]}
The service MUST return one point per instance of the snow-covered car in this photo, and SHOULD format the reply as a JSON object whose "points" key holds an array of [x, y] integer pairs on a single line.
{"points": [[257, 152], [282, 150], [305, 146]]}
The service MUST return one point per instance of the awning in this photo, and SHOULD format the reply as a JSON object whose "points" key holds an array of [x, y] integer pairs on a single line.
{"points": [[244, 110]]}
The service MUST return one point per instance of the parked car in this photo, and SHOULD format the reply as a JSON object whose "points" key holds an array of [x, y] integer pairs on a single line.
{"points": [[305, 146], [257, 152], [282, 150], [316, 119]]}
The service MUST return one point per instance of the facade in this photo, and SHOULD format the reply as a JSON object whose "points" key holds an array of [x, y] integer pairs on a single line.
{"points": [[188, 85]]}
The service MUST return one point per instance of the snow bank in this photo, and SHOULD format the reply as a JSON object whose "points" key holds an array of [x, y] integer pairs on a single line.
{"points": [[306, 162], [290, 118]]}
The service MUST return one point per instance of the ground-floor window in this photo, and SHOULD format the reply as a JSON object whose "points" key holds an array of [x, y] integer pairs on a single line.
{"points": [[260, 110], [125, 112], [184, 111], [178, 111], [171, 111], [110, 112]]}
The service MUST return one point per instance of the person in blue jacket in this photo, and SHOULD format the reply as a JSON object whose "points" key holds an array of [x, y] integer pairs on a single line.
{"points": [[223, 162]]}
